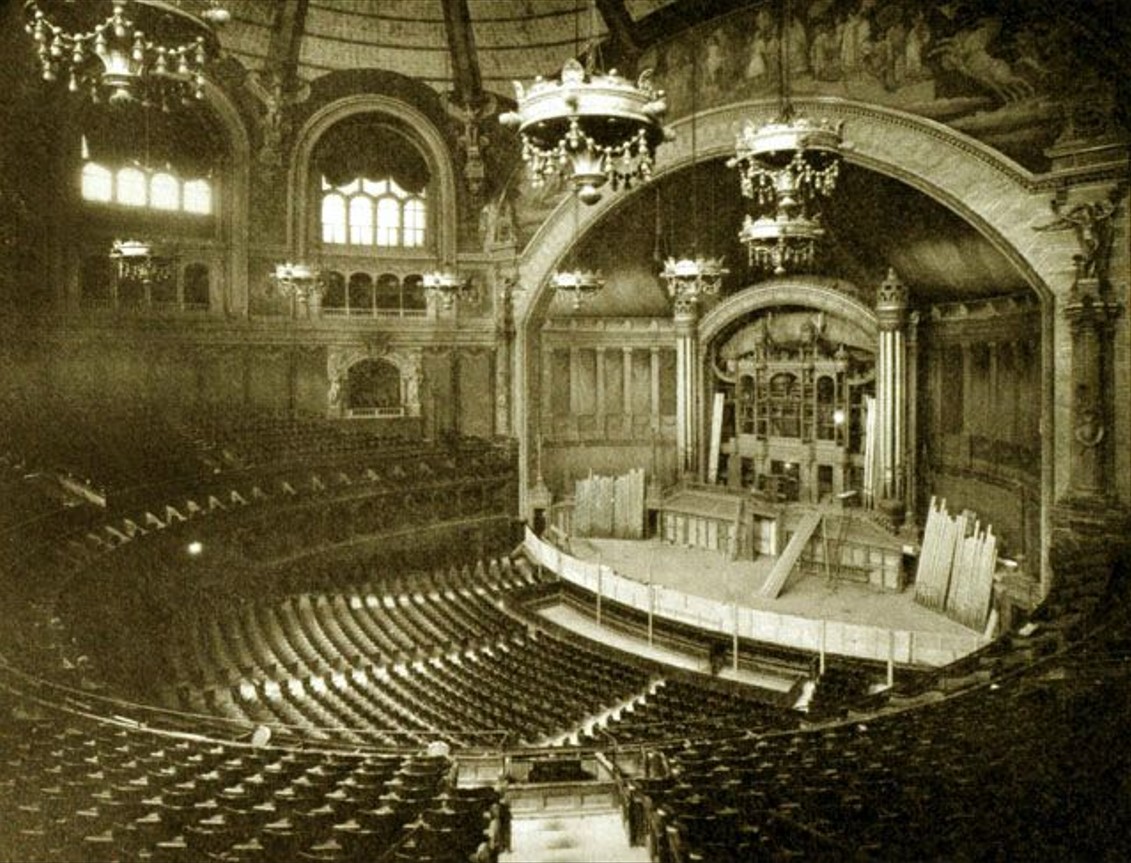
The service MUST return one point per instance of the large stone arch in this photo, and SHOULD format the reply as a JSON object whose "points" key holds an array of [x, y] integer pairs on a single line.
{"points": [[234, 200], [811, 292], [1000, 198], [436, 153]]}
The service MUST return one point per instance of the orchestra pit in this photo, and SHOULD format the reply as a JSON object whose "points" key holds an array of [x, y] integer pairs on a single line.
{"points": [[488, 431]]}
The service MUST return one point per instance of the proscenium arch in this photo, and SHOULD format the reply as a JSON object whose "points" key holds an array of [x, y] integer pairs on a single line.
{"points": [[812, 292], [998, 197], [436, 154]]}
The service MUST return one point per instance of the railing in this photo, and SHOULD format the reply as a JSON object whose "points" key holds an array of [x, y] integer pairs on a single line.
{"points": [[375, 413], [340, 312], [826, 636]]}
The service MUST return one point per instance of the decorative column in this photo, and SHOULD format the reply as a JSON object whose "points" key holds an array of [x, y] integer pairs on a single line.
{"points": [[911, 446], [891, 387], [1090, 315], [626, 388], [687, 385], [504, 338]]}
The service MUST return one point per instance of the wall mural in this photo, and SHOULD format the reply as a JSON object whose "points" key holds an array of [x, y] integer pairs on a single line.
{"points": [[990, 69]]}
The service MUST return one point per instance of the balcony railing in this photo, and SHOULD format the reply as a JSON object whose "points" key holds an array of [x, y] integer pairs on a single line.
{"points": [[375, 413]]}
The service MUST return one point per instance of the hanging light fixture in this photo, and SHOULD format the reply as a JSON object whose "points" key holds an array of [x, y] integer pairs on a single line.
{"points": [[136, 262], [688, 279], [576, 282], [446, 286], [592, 127], [787, 168], [151, 50], [296, 279]]}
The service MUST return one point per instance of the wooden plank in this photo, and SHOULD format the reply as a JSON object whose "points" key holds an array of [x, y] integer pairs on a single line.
{"points": [[716, 439], [784, 565]]}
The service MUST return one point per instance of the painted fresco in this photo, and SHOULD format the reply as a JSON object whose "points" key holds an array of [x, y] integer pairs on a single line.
{"points": [[991, 69]]}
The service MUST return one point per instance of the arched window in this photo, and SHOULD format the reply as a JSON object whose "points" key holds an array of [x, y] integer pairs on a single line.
{"points": [[388, 297], [361, 294], [333, 218], [163, 288], [374, 388], [198, 197], [388, 222], [361, 220], [414, 218], [413, 300], [132, 189], [97, 183], [196, 287], [334, 294], [164, 192]]}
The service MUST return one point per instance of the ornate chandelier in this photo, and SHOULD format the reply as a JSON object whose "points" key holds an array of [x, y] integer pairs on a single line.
{"points": [[446, 286], [136, 262], [690, 278], [787, 167], [152, 50], [591, 127], [577, 284]]}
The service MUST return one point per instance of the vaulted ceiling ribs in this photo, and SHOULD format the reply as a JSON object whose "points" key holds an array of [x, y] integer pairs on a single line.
{"points": [[465, 62]]}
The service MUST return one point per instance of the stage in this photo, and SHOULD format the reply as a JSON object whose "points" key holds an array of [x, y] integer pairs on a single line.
{"points": [[710, 575]]}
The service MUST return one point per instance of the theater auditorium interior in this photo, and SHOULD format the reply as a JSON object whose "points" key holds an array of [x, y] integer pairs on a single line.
{"points": [[564, 430]]}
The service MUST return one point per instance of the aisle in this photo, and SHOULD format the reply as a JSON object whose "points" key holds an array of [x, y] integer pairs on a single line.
{"points": [[572, 838]]}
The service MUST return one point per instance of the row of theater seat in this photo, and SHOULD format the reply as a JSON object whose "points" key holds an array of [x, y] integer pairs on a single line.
{"points": [[442, 659], [78, 790], [678, 708], [1007, 769], [246, 439]]}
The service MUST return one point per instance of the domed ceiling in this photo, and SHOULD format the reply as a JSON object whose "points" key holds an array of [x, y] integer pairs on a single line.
{"points": [[474, 48]]}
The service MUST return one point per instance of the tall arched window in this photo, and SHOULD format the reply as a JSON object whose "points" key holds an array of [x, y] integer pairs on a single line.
{"points": [[333, 218], [334, 294], [413, 300], [361, 220], [164, 192], [361, 294], [97, 183], [132, 187], [198, 197], [414, 222], [388, 296], [378, 212]]}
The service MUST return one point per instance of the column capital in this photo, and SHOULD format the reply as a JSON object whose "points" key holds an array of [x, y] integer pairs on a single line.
{"points": [[891, 302]]}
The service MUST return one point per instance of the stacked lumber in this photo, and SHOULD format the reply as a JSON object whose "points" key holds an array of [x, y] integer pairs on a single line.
{"points": [[956, 566], [610, 506]]}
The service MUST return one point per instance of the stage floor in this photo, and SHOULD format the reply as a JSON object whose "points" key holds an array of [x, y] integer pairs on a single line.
{"points": [[710, 575]]}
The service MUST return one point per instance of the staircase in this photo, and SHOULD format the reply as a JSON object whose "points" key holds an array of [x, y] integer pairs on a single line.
{"points": [[592, 836], [789, 557]]}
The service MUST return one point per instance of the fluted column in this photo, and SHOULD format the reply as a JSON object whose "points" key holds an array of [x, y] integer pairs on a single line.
{"points": [[687, 385], [891, 391]]}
